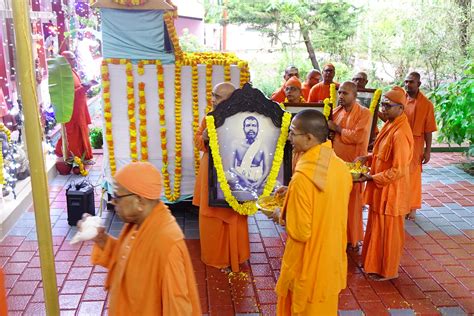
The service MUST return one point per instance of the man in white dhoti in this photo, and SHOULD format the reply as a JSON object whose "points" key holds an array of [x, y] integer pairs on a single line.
{"points": [[248, 159]]}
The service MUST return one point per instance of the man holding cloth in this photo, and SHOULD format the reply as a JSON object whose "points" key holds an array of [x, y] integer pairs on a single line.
{"points": [[150, 271], [388, 187], [314, 264], [351, 126]]}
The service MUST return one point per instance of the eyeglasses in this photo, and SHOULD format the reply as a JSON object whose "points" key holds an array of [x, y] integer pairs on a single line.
{"points": [[118, 197], [292, 134], [389, 105]]}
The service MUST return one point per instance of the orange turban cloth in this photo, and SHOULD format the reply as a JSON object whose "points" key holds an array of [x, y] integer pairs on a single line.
{"points": [[293, 82], [397, 95], [141, 178]]}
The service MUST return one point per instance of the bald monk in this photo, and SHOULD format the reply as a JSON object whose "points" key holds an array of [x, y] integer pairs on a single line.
{"points": [[293, 92], [279, 94], [420, 113], [320, 91], [77, 129], [223, 232], [314, 264], [388, 187], [150, 270], [313, 78], [351, 126], [360, 79]]}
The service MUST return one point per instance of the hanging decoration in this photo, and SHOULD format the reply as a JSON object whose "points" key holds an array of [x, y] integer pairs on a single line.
{"points": [[131, 111], [142, 115]]}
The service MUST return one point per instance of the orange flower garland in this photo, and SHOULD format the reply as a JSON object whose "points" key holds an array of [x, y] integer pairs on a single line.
{"points": [[168, 18], [108, 114], [178, 144], [195, 90], [161, 92], [131, 112], [142, 115], [227, 72], [208, 88]]}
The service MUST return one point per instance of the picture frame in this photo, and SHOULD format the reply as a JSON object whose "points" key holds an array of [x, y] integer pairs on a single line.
{"points": [[364, 98], [248, 126]]}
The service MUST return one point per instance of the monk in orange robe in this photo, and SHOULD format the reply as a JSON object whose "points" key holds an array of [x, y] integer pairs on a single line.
{"points": [[312, 79], [77, 129], [321, 91], [223, 232], [279, 94], [420, 113], [150, 270], [314, 264], [293, 92], [388, 187], [351, 126]]}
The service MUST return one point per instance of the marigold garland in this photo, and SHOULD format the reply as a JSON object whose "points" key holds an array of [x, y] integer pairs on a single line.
{"points": [[131, 112], [142, 115], [5, 130], [247, 208], [327, 108], [168, 18], [208, 88], [78, 161], [178, 144], [108, 114], [375, 100], [332, 94], [195, 90], [227, 77]]}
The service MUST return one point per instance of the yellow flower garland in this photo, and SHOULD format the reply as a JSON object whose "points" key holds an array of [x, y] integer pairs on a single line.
{"points": [[208, 88], [7, 132], [332, 94], [178, 144], [375, 100], [108, 114], [247, 208], [131, 112], [142, 115], [168, 18], [80, 164], [327, 108], [195, 90]]}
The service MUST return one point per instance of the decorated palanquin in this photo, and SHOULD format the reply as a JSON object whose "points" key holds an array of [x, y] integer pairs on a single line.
{"points": [[155, 95]]}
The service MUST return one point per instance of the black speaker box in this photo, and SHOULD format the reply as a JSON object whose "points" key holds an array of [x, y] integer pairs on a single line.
{"points": [[80, 200]]}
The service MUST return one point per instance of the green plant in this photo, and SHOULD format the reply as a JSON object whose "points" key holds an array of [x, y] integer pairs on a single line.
{"points": [[455, 109], [96, 138]]}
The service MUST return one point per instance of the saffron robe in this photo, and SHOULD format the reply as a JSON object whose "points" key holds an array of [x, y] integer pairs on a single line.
{"points": [[150, 270], [305, 88], [279, 95], [224, 233], [77, 129], [387, 196], [314, 264], [320, 91], [351, 143], [420, 113]]}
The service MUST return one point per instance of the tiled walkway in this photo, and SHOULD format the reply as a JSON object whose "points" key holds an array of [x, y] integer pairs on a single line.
{"points": [[436, 272]]}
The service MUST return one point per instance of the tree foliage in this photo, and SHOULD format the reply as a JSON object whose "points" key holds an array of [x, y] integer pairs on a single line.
{"points": [[290, 22], [455, 109]]}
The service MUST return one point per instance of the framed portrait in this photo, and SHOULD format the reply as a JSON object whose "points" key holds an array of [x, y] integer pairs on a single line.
{"points": [[248, 126], [364, 97]]}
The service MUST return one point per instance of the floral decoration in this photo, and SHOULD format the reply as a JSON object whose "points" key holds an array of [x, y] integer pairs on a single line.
{"points": [[5, 130], [327, 108], [131, 112], [375, 100], [142, 115], [130, 3], [332, 95], [195, 90], [108, 114], [247, 208], [77, 162]]}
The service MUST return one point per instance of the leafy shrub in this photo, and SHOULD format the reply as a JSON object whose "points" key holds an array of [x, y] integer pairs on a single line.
{"points": [[455, 109], [96, 138]]}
